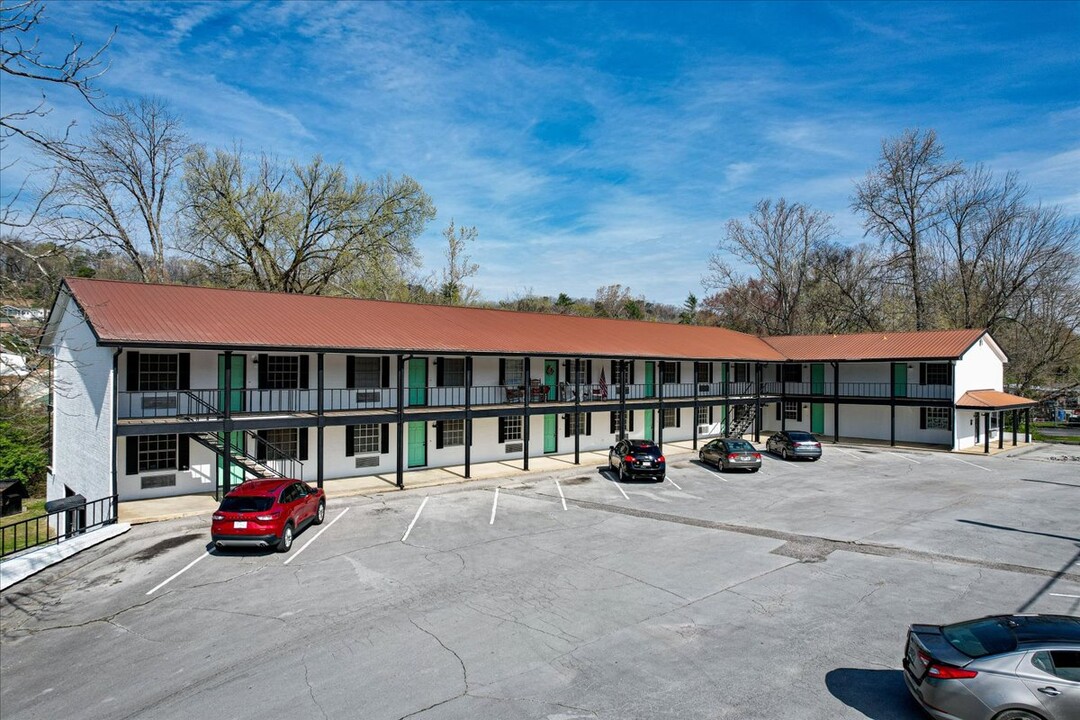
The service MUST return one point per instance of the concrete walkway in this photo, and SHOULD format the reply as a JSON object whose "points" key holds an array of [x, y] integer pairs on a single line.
{"points": [[18, 568]]}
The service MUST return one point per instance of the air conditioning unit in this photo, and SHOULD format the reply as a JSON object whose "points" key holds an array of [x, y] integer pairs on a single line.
{"points": [[368, 396], [703, 387], [703, 429]]}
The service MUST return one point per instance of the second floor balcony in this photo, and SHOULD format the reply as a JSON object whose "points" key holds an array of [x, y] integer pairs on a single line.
{"points": [[859, 390]]}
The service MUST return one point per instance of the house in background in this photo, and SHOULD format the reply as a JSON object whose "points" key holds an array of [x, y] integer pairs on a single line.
{"points": [[164, 390]]}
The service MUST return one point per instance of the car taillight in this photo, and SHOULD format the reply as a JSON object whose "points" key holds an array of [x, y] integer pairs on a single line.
{"points": [[732, 456], [948, 672], [218, 517], [629, 459], [660, 459], [817, 445], [269, 516], [757, 456]]}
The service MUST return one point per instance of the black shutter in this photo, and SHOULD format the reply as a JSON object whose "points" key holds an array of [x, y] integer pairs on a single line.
{"points": [[438, 434], [588, 423], [710, 372], [264, 367], [631, 372], [711, 421], [502, 429], [502, 371], [631, 423], [922, 373], [922, 414], [566, 425], [385, 439], [350, 440], [950, 373], [260, 446], [350, 371], [614, 421], [302, 436], [132, 455], [439, 373], [678, 417], [183, 371], [133, 372], [385, 371], [798, 412], [588, 372], [304, 372], [779, 409], [678, 372], [183, 453], [779, 372]]}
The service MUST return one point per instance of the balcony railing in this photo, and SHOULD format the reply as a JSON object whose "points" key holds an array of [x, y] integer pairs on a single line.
{"points": [[209, 403], [860, 390]]}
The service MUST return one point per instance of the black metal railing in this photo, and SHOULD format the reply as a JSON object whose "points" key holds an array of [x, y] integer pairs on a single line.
{"points": [[288, 465], [55, 527], [860, 390], [167, 403]]}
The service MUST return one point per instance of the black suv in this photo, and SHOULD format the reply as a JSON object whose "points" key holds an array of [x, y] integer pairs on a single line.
{"points": [[637, 458]]}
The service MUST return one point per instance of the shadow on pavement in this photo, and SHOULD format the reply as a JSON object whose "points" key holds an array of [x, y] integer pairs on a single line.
{"points": [[877, 694]]}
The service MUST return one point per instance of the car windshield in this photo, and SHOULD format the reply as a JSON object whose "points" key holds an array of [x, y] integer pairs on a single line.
{"points": [[800, 436], [246, 503], [739, 446], [979, 638]]}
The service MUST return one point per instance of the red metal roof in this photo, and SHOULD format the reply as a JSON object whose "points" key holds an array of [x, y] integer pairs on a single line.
{"points": [[125, 313], [928, 344], [992, 400]]}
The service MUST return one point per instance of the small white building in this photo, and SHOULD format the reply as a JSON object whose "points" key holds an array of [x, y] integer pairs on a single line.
{"points": [[152, 383]]}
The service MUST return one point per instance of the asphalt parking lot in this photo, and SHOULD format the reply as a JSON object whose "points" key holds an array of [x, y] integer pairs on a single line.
{"points": [[780, 594]]}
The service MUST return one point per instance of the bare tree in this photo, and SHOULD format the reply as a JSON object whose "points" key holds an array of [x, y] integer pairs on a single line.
{"points": [[459, 266], [299, 229], [116, 191], [901, 203], [777, 241], [849, 289], [615, 301]]}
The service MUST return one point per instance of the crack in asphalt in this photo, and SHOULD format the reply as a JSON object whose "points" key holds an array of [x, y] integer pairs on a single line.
{"points": [[831, 545], [464, 673], [311, 689]]}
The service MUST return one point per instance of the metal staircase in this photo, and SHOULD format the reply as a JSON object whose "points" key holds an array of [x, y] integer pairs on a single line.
{"points": [[251, 464], [740, 426]]}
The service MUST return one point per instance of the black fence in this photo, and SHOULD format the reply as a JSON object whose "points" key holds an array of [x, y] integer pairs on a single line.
{"points": [[71, 520]]}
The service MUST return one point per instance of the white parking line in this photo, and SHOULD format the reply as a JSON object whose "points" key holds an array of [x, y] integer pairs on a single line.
{"points": [[561, 496], [1064, 595], [617, 485], [905, 457], [713, 472], [302, 549], [971, 464], [673, 483], [415, 518], [857, 456], [178, 574], [494, 504]]}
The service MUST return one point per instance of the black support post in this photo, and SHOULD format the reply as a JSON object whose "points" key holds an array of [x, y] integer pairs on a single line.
{"points": [[892, 422], [1027, 425], [400, 421], [1015, 419], [525, 416], [726, 369], [836, 403], [577, 411], [622, 401], [226, 424], [694, 419], [468, 417], [319, 439], [1001, 429], [660, 405], [757, 402], [986, 434]]}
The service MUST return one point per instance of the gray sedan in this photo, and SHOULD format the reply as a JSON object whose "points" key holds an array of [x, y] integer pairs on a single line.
{"points": [[731, 453], [1008, 667]]}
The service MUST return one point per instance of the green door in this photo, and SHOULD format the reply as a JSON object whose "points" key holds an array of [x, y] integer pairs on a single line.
{"points": [[817, 378], [899, 379], [650, 376], [236, 404], [551, 443], [817, 417], [551, 379], [649, 425], [418, 382], [417, 444]]}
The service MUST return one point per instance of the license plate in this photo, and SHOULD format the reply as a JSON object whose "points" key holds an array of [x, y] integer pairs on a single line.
{"points": [[744, 458], [646, 463], [240, 524]]}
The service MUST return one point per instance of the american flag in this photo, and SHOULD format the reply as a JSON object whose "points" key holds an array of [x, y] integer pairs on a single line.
{"points": [[603, 385]]}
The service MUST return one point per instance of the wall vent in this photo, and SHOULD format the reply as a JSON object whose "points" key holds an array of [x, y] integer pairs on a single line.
{"points": [[157, 481], [366, 462], [366, 396], [514, 448]]}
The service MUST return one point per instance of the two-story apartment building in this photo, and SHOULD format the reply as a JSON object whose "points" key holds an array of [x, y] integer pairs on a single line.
{"points": [[163, 390]]}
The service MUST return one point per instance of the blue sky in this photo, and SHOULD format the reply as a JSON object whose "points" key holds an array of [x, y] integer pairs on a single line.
{"points": [[604, 143]]}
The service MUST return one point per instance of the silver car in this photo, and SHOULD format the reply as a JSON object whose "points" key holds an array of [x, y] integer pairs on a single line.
{"points": [[1006, 667]]}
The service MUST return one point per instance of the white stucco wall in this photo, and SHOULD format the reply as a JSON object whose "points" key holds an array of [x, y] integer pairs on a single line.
{"points": [[982, 367], [82, 415]]}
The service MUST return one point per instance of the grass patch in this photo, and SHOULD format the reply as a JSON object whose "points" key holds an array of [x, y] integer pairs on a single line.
{"points": [[21, 536], [1072, 436]]}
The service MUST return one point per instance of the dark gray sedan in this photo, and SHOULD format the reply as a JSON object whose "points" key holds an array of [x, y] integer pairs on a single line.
{"points": [[794, 444], [1006, 667], [731, 454]]}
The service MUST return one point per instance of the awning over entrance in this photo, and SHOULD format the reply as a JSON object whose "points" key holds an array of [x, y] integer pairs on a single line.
{"points": [[992, 400]]}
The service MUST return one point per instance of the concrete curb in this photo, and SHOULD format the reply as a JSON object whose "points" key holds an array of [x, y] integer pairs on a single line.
{"points": [[16, 569]]}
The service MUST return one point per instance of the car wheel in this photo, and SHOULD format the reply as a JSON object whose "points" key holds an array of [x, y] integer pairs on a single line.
{"points": [[1016, 715], [320, 514], [719, 465], [622, 474], [286, 538], [783, 453]]}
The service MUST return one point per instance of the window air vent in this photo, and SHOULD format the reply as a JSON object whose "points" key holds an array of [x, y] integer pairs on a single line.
{"points": [[513, 448], [366, 462], [157, 481]]}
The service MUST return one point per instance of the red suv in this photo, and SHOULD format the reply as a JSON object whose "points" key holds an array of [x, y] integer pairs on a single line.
{"points": [[267, 513]]}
